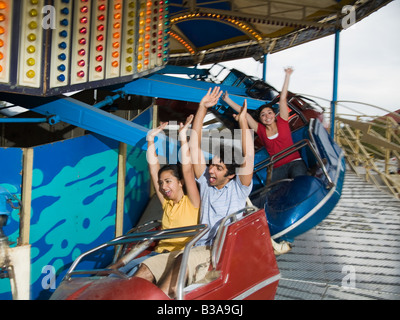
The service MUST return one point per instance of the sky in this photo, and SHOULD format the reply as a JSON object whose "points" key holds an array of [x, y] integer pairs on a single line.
{"points": [[369, 64]]}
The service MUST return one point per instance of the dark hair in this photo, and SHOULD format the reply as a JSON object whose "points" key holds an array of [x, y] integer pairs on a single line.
{"points": [[273, 107], [228, 158], [175, 168]]}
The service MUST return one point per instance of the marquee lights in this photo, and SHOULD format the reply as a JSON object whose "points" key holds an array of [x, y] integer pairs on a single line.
{"points": [[80, 42], [161, 32], [30, 54], [97, 56], [59, 70], [182, 42], [142, 25], [5, 39], [89, 43], [115, 35], [231, 20], [153, 34], [128, 61]]}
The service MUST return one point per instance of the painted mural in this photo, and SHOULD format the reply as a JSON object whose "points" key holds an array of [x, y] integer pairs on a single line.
{"points": [[74, 190], [10, 182]]}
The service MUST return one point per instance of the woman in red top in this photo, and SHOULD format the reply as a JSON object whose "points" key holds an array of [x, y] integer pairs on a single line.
{"points": [[275, 133]]}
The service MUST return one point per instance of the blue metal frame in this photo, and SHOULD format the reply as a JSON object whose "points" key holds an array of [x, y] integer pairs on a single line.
{"points": [[265, 67], [96, 120], [84, 116], [174, 88], [335, 82], [23, 120], [296, 206]]}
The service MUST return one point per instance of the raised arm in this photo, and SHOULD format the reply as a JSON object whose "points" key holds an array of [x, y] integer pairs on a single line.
{"points": [[208, 101], [253, 124], [152, 158], [187, 169], [283, 106], [247, 167]]}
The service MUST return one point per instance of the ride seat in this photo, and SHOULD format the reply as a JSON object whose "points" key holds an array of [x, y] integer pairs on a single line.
{"points": [[244, 244]]}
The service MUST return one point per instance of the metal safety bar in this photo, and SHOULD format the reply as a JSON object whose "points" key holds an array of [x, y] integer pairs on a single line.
{"points": [[147, 237], [221, 233], [147, 226], [215, 252], [185, 256], [269, 162]]}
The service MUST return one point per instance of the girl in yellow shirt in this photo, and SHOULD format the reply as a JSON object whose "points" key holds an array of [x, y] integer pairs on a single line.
{"points": [[179, 209]]}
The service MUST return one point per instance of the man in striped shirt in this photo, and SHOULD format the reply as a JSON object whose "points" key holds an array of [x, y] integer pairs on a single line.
{"points": [[224, 188], [224, 184]]}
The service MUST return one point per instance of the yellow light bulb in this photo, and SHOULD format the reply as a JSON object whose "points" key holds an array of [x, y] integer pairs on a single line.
{"points": [[30, 74], [31, 49], [30, 62]]}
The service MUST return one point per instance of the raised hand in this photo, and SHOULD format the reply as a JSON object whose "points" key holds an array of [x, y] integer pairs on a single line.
{"points": [[242, 114], [225, 97], [211, 98], [289, 71], [184, 127], [154, 132]]}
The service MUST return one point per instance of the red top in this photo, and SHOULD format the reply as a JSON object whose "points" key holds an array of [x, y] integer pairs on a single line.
{"points": [[282, 141]]}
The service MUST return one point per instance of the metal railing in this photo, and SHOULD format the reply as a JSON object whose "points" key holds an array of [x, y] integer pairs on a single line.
{"points": [[145, 239], [183, 268], [372, 150], [370, 141], [269, 162], [215, 251], [221, 233]]}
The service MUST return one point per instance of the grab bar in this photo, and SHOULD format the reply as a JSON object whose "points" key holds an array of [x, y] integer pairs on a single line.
{"points": [[183, 266], [293, 148], [149, 237], [221, 233]]}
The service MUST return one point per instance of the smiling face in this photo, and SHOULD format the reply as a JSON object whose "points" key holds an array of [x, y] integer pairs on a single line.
{"points": [[218, 173], [170, 186], [267, 116]]}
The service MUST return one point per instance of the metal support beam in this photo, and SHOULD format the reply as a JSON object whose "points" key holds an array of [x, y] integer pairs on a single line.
{"points": [[85, 116], [161, 86], [171, 69], [92, 118], [335, 82], [265, 67], [96, 120]]}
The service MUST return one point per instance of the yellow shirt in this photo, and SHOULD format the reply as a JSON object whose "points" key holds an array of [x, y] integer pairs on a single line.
{"points": [[176, 215]]}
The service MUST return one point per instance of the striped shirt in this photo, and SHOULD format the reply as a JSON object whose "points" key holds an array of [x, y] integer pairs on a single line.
{"points": [[216, 203]]}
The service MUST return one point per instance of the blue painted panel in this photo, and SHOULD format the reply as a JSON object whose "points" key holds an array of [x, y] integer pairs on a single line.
{"points": [[74, 192], [11, 180], [74, 187], [137, 184], [216, 31]]}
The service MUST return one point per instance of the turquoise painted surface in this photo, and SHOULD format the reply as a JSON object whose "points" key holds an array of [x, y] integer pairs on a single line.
{"points": [[74, 188], [137, 184], [11, 180]]}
